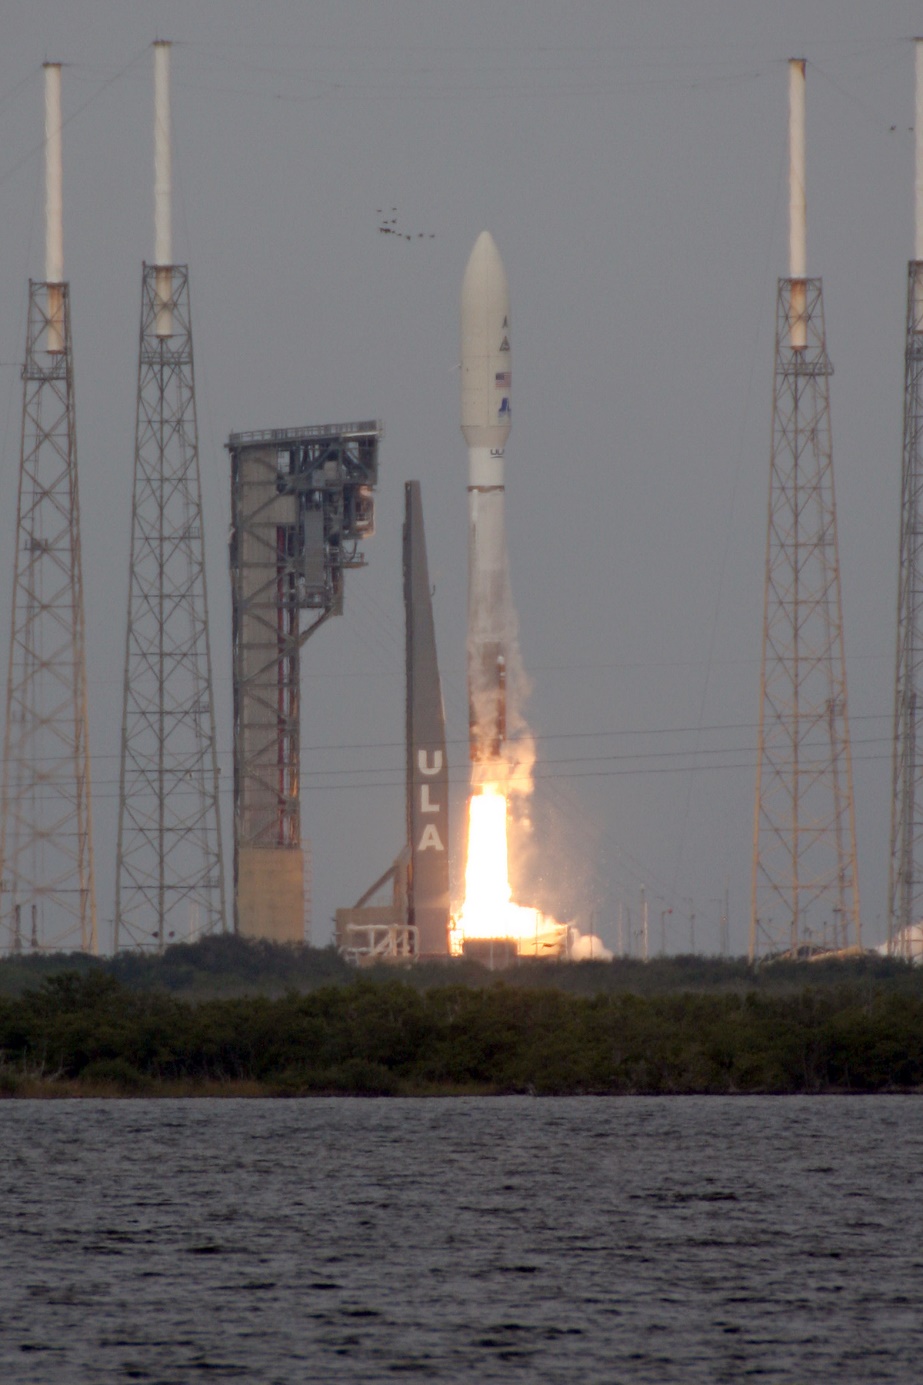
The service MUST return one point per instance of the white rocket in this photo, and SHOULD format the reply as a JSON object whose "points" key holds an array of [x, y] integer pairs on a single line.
{"points": [[485, 421]]}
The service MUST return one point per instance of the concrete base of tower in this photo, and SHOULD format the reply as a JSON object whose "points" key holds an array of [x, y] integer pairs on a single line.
{"points": [[270, 893]]}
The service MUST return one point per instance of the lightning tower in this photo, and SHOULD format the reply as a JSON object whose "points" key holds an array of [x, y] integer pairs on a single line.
{"points": [[169, 872], [804, 887], [46, 840], [905, 878]]}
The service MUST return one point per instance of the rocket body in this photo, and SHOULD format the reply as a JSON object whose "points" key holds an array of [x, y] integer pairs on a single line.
{"points": [[485, 420]]}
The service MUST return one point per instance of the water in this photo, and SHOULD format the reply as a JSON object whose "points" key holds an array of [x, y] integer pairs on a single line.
{"points": [[575, 1240]]}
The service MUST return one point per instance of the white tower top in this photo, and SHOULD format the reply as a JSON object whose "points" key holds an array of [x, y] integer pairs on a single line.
{"points": [[797, 200], [54, 218], [163, 231], [918, 138]]}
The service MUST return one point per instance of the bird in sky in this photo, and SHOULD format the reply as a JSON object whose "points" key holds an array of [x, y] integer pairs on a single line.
{"points": [[387, 226]]}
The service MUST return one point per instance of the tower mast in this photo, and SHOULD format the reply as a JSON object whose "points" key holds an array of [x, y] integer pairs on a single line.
{"points": [[46, 837], [169, 870], [905, 876], [804, 878]]}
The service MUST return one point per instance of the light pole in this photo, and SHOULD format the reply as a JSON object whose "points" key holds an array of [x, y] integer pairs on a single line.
{"points": [[663, 931], [688, 902]]}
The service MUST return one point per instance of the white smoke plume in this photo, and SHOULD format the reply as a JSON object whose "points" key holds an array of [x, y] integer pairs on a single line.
{"points": [[494, 627]]}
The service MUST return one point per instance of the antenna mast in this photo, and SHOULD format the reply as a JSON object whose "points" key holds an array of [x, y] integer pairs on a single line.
{"points": [[905, 877]]}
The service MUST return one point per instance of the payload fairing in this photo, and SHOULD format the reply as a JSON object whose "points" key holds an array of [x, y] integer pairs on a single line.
{"points": [[485, 419]]}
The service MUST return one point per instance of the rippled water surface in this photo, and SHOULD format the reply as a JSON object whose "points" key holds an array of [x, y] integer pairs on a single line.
{"points": [[588, 1239]]}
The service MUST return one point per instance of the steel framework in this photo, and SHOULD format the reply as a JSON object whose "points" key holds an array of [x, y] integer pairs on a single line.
{"points": [[169, 873], [301, 501], [46, 837], [804, 890], [905, 879]]}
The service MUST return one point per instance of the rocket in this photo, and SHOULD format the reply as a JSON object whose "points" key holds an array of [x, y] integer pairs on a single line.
{"points": [[485, 422]]}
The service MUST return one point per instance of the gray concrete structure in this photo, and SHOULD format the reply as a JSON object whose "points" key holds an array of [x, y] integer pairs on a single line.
{"points": [[427, 762]]}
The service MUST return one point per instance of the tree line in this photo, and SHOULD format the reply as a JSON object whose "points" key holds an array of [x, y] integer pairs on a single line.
{"points": [[226, 965], [91, 1032]]}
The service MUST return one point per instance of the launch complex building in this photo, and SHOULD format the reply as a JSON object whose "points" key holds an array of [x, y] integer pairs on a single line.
{"points": [[302, 503]]}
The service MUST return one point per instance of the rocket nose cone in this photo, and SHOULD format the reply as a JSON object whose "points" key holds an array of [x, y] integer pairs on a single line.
{"points": [[484, 245], [485, 347], [484, 272]]}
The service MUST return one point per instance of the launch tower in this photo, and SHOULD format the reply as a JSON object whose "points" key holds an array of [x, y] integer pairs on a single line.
{"points": [[46, 840], [169, 870], [905, 879], [804, 882], [301, 503]]}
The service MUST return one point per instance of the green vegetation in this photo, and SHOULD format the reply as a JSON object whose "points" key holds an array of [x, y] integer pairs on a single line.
{"points": [[226, 966], [217, 966], [91, 1033]]}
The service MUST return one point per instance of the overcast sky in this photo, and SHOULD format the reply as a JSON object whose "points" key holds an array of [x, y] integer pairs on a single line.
{"points": [[629, 159]]}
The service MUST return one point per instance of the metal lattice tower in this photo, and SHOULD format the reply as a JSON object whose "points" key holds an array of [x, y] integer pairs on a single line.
{"points": [[169, 868], [804, 885], [905, 881], [46, 851], [46, 841], [905, 877], [170, 876]]}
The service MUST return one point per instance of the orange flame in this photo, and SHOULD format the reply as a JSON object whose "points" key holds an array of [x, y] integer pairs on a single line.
{"points": [[488, 910]]}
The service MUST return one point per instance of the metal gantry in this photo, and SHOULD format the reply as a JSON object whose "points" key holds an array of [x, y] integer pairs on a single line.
{"points": [[46, 839], [804, 890], [169, 875], [301, 503], [905, 879]]}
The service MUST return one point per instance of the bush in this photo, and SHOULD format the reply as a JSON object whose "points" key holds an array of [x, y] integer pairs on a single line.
{"points": [[115, 1072]]}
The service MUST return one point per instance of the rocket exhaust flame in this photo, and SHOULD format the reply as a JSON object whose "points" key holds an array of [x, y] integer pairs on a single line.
{"points": [[488, 911]]}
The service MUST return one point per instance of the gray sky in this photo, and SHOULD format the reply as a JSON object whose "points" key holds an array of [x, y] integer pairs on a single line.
{"points": [[629, 159]]}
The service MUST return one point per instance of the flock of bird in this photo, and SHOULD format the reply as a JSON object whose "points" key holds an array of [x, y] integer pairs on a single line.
{"points": [[389, 227]]}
